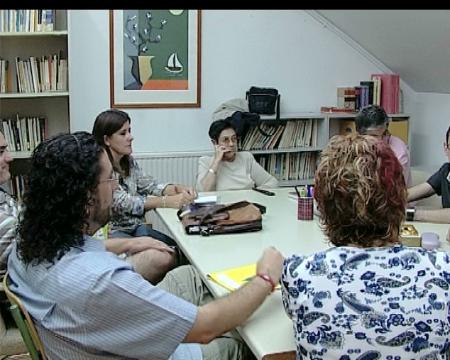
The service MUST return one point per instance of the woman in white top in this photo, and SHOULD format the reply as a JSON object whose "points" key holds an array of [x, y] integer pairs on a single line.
{"points": [[229, 169]]}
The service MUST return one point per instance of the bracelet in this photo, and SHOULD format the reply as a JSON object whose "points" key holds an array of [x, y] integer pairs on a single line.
{"points": [[212, 171], [267, 278], [164, 201]]}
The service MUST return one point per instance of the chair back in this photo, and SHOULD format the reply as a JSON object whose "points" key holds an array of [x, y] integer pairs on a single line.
{"points": [[24, 323]]}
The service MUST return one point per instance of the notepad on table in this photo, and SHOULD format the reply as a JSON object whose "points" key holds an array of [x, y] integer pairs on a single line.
{"points": [[206, 199], [233, 278]]}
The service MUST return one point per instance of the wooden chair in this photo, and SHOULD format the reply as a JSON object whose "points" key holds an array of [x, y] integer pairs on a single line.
{"points": [[11, 342], [25, 324]]}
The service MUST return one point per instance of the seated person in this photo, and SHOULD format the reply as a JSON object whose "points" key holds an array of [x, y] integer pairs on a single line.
{"points": [[87, 304], [438, 183], [150, 256], [373, 120], [8, 208], [136, 193], [230, 169], [368, 297]]}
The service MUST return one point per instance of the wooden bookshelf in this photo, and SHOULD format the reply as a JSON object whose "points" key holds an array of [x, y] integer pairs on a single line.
{"points": [[43, 101]]}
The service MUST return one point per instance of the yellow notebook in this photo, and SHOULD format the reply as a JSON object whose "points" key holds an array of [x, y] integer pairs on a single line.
{"points": [[231, 279], [234, 278]]}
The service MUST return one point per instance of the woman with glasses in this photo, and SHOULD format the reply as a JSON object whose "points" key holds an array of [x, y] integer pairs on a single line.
{"points": [[373, 120], [230, 169]]}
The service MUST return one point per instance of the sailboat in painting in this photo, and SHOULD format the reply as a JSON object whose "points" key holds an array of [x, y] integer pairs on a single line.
{"points": [[173, 64]]}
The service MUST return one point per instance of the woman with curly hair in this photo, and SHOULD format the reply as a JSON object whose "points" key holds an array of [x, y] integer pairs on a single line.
{"points": [[368, 296]]}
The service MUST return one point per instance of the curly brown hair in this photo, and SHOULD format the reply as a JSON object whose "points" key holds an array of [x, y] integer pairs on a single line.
{"points": [[360, 191]]}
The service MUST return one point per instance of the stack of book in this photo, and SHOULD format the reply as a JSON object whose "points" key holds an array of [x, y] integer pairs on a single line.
{"points": [[24, 133], [382, 90], [27, 20], [289, 166], [49, 73], [292, 134], [390, 92]]}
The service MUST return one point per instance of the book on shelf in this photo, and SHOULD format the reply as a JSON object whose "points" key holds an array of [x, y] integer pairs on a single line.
{"points": [[27, 20], [49, 73], [390, 92], [334, 109], [233, 278], [346, 97], [369, 96], [24, 133], [289, 166]]}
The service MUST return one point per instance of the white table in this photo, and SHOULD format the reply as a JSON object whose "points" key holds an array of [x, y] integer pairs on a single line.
{"points": [[268, 332]]}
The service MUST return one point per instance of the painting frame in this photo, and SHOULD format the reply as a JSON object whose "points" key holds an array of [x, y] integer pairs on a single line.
{"points": [[187, 95]]}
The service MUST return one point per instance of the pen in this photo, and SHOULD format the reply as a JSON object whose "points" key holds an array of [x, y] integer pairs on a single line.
{"points": [[265, 192], [302, 192], [296, 190]]}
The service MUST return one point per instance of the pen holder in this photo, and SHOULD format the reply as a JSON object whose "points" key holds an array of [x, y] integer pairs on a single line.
{"points": [[305, 208]]}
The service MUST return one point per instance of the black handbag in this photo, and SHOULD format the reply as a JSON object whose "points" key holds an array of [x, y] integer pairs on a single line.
{"points": [[263, 101]]}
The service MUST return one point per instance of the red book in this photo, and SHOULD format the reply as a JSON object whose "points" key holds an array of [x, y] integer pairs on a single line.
{"points": [[390, 91]]}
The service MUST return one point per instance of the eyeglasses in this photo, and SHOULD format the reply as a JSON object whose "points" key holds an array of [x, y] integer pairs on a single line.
{"points": [[228, 140], [114, 179]]}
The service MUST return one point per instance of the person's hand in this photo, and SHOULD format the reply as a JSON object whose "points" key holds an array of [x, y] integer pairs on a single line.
{"points": [[271, 263], [179, 200], [186, 189], [146, 242], [219, 151]]}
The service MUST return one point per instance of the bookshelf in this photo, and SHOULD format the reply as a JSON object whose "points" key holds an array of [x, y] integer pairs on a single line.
{"points": [[34, 99], [292, 153]]}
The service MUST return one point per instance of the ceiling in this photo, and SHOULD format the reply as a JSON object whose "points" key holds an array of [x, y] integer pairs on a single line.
{"points": [[412, 43]]}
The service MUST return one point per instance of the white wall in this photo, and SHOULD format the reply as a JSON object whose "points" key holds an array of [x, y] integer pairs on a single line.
{"points": [[432, 119], [286, 49]]}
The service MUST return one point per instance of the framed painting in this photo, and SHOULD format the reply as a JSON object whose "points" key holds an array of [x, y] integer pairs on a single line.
{"points": [[155, 58]]}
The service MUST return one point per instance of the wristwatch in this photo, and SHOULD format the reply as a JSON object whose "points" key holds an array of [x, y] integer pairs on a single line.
{"points": [[410, 212]]}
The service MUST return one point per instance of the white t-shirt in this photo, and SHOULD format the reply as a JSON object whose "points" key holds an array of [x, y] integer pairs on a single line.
{"points": [[242, 173]]}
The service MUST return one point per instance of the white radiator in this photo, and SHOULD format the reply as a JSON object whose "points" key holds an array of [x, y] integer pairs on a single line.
{"points": [[175, 167]]}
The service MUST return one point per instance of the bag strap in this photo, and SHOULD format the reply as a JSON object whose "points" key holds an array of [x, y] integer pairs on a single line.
{"points": [[278, 107], [236, 205], [277, 121]]}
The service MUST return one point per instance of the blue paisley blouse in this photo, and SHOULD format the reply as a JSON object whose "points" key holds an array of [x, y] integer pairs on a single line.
{"points": [[374, 303]]}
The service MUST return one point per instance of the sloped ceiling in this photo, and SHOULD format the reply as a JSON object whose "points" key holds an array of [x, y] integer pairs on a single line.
{"points": [[412, 43]]}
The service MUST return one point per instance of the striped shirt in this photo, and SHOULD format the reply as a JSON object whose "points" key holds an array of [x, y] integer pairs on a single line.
{"points": [[8, 223], [129, 197], [91, 305]]}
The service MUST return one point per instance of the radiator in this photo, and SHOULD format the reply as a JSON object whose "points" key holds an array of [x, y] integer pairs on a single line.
{"points": [[175, 168]]}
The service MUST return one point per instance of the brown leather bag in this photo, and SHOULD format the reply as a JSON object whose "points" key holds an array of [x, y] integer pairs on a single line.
{"points": [[238, 217]]}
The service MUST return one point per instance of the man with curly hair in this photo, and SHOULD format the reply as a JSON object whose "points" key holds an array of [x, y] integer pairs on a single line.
{"points": [[87, 303], [368, 297]]}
